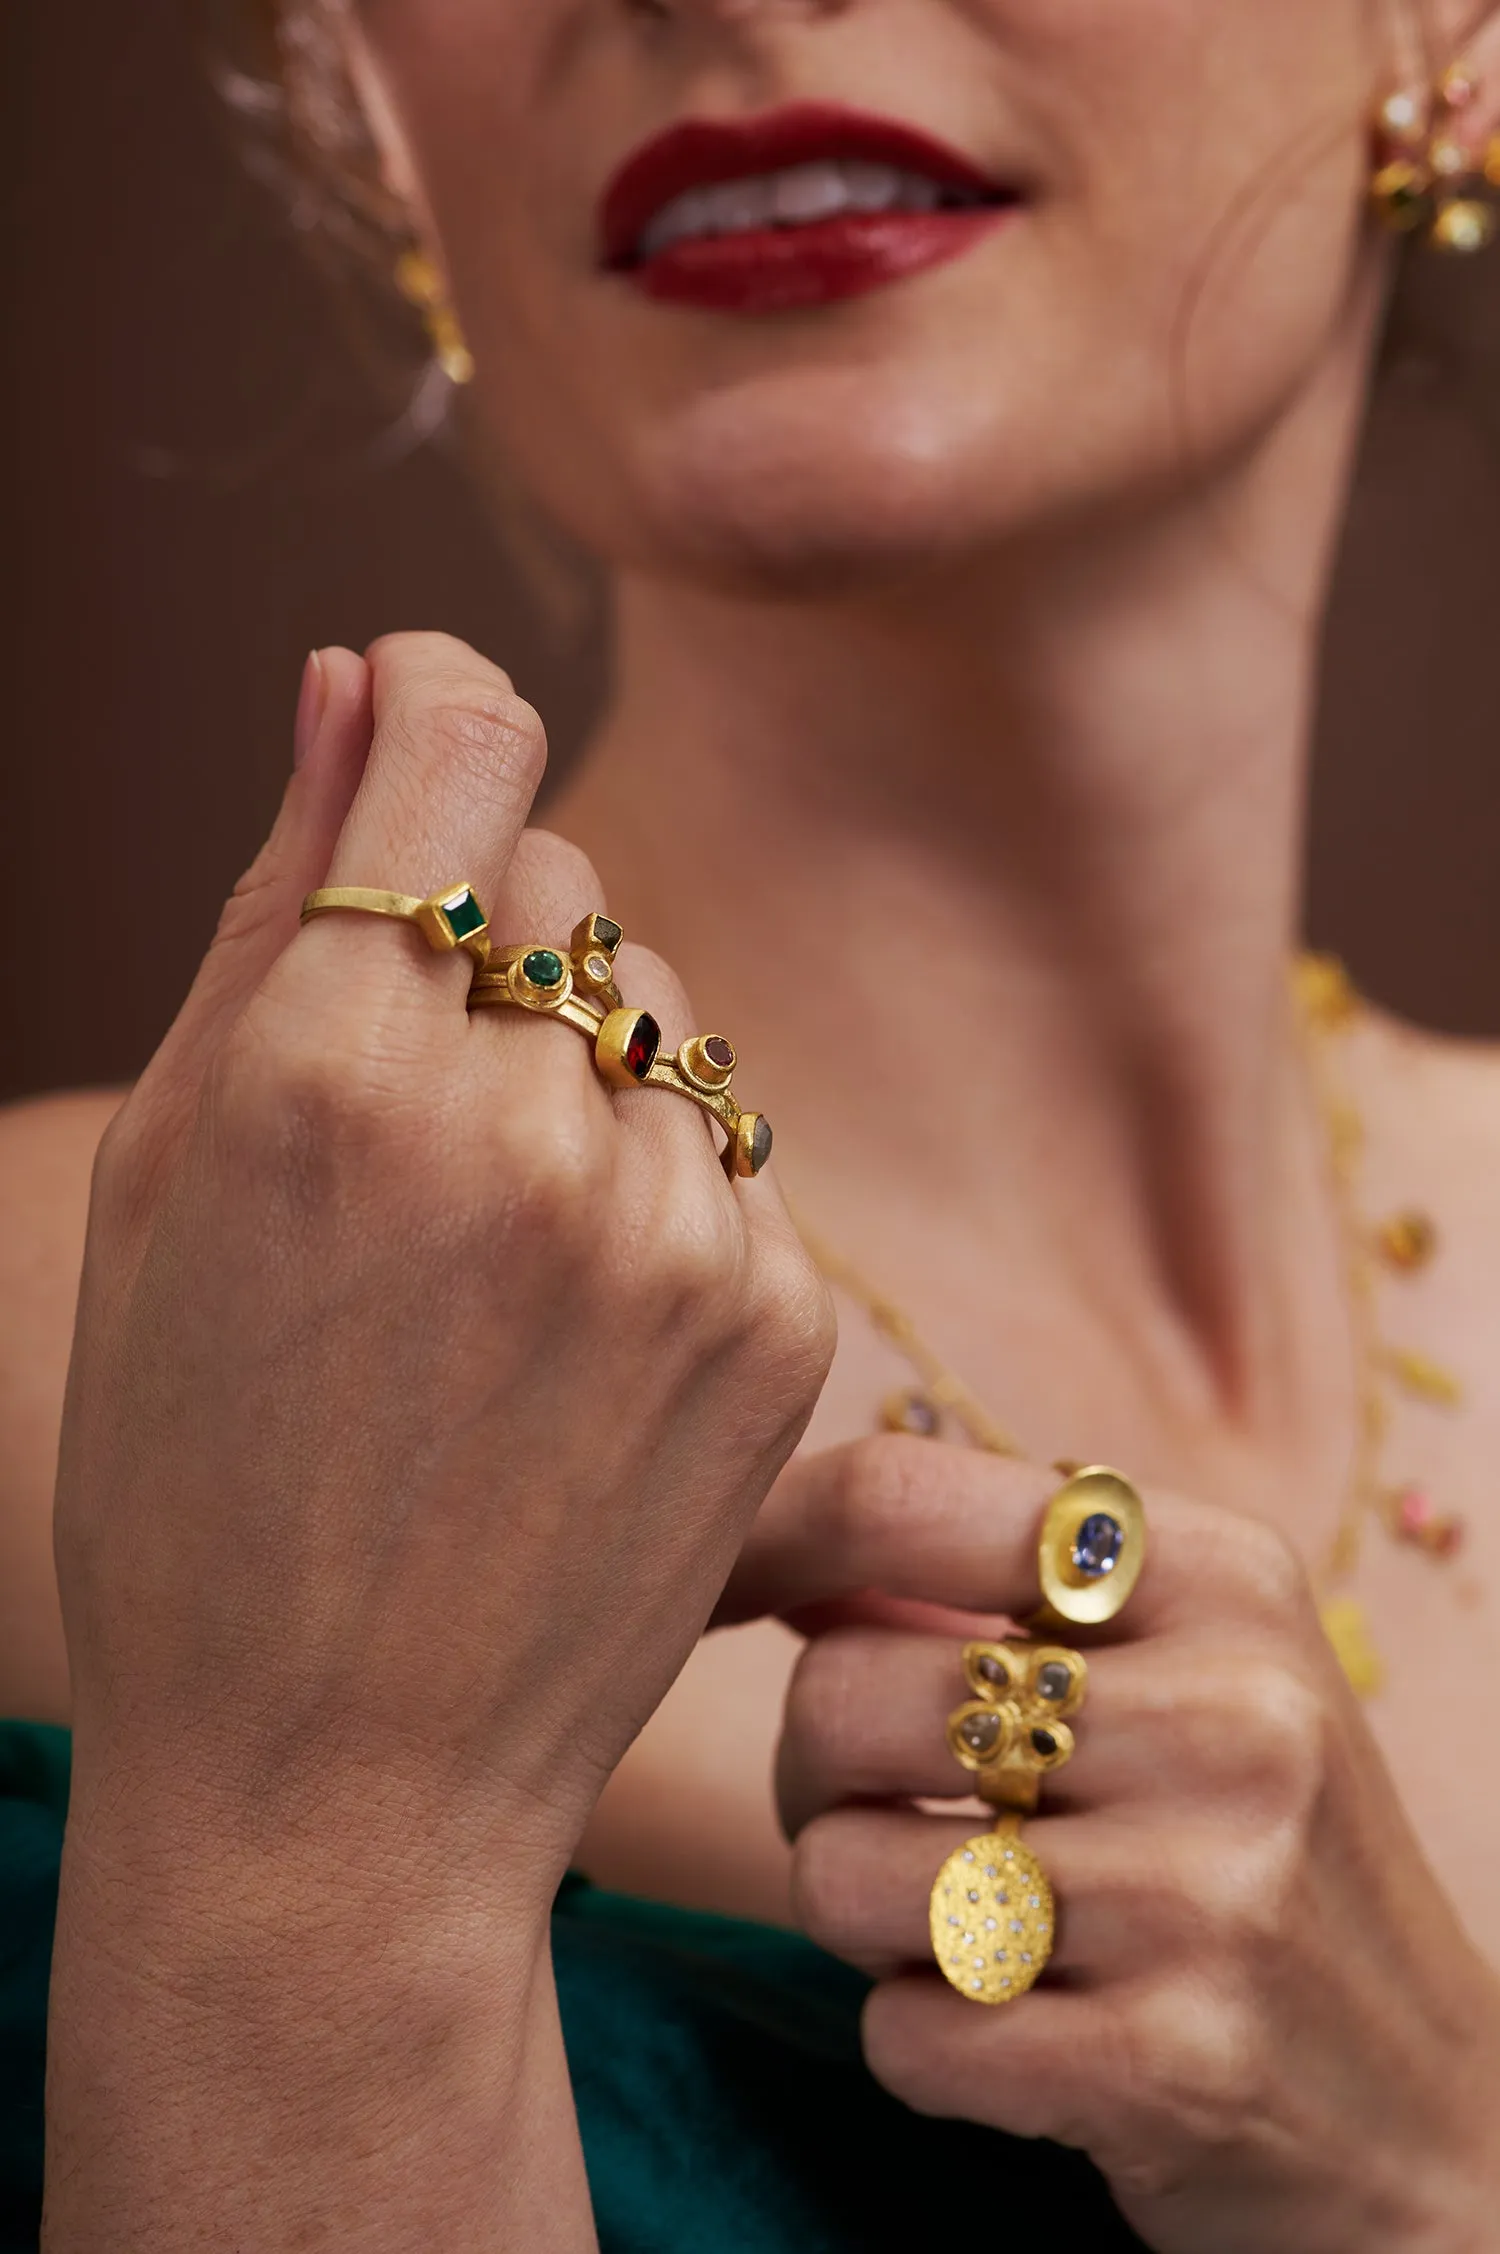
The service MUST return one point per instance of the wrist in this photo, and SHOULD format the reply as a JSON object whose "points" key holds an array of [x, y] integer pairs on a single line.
{"points": [[288, 2038]]}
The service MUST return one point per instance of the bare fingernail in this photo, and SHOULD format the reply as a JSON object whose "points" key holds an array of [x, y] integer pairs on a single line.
{"points": [[310, 703]]}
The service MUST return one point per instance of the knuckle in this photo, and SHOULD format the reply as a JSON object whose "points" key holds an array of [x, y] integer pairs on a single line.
{"points": [[554, 867], [1281, 1730], [652, 975], [796, 1325], [290, 1101], [552, 1184], [476, 727], [1266, 1569], [1197, 2061], [699, 1258]]}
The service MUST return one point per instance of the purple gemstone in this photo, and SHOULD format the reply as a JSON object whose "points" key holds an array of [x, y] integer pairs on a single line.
{"points": [[917, 1415], [1097, 1545], [719, 1053]]}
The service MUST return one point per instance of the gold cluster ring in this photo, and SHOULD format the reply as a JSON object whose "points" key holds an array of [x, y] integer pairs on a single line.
{"points": [[993, 1918], [578, 986]]}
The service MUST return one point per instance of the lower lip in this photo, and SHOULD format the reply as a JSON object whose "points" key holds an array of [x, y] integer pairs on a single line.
{"points": [[787, 269]]}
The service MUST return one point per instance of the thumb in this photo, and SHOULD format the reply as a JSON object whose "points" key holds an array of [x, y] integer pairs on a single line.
{"points": [[261, 915]]}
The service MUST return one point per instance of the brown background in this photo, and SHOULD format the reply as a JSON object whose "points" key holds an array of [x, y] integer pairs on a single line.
{"points": [[197, 491]]}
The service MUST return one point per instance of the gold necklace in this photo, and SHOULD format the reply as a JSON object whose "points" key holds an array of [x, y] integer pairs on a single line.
{"points": [[1404, 1244]]}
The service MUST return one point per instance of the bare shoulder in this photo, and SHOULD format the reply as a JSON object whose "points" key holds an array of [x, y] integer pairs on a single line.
{"points": [[1433, 1107], [47, 1151]]}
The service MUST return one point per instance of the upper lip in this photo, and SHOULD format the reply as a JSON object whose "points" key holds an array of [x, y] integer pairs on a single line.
{"points": [[698, 152]]}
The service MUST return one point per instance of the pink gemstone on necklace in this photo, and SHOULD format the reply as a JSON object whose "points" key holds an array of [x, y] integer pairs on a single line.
{"points": [[1414, 1514]]}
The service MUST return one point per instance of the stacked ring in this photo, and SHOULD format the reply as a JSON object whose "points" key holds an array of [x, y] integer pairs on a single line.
{"points": [[449, 918], [992, 1914], [579, 987]]}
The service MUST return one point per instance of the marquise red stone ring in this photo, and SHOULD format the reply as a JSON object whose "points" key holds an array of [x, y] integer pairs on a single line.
{"points": [[579, 987]]}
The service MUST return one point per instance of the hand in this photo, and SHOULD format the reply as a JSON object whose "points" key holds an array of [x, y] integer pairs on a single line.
{"points": [[1262, 2018], [423, 1389]]}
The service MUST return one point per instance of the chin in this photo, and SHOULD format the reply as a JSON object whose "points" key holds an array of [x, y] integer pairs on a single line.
{"points": [[827, 484]]}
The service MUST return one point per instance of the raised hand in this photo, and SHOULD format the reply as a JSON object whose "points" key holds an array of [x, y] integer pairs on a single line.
{"points": [[1261, 2016], [423, 1391]]}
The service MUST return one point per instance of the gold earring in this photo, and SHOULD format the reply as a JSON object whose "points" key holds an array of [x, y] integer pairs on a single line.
{"points": [[1425, 175], [421, 285]]}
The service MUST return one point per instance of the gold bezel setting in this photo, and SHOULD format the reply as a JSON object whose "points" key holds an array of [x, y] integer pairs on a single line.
{"points": [[453, 918], [1091, 1548], [530, 987]]}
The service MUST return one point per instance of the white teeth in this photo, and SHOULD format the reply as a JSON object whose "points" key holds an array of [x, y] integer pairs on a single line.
{"points": [[795, 197], [873, 187], [808, 192]]}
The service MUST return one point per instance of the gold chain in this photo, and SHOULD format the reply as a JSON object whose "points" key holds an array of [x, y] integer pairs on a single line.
{"points": [[1328, 1005]]}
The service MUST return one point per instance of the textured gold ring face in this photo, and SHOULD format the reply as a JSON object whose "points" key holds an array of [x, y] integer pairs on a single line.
{"points": [[1091, 1548], [992, 1919]]}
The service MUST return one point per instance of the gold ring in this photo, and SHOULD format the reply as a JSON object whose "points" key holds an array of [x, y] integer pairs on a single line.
{"points": [[446, 919], [992, 1916], [591, 959], [627, 1043], [1090, 1549], [1014, 1730]]}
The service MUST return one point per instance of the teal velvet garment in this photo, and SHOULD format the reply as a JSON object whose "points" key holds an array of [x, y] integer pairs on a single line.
{"points": [[721, 2094]]}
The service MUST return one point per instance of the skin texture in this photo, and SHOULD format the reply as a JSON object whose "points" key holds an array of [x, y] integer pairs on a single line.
{"points": [[970, 625], [302, 1760]]}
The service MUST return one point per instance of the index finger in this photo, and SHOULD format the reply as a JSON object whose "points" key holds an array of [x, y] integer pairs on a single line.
{"points": [[958, 1527], [455, 761]]}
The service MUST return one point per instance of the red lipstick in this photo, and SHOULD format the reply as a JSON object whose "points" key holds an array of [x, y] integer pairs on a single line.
{"points": [[775, 268]]}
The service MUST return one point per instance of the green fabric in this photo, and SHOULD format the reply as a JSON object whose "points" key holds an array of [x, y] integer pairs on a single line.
{"points": [[723, 2103]]}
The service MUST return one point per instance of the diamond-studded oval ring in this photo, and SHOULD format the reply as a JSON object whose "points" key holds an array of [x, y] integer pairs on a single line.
{"points": [[449, 918], [579, 987]]}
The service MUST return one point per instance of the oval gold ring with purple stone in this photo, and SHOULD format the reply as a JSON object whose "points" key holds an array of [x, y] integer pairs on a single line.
{"points": [[1090, 1549]]}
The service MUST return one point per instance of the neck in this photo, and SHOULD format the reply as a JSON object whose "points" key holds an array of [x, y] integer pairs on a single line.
{"points": [[994, 883]]}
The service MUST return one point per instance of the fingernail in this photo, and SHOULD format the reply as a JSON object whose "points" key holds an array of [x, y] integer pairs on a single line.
{"points": [[310, 703]]}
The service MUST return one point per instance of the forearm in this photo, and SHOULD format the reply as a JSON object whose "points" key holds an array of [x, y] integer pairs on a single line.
{"points": [[237, 2065]]}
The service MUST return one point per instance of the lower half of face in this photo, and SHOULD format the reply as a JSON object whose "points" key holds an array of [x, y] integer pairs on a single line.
{"points": [[778, 295]]}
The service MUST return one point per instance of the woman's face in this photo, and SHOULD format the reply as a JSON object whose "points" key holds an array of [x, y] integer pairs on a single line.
{"points": [[1160, 261]]}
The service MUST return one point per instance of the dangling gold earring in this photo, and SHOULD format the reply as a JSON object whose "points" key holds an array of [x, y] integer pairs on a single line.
{"points": [[421, 285], [1425, 174]]}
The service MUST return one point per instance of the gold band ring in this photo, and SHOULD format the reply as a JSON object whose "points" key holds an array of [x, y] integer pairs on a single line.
{"points": [[446, 919], [627, 1043]]}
